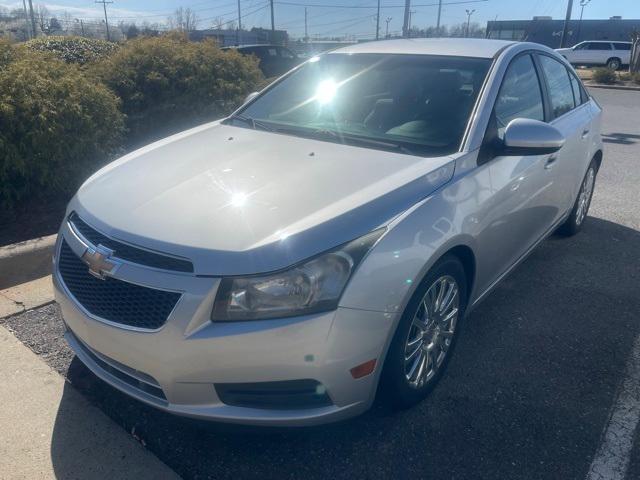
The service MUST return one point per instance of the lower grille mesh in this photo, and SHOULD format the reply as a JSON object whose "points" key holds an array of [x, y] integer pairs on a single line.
{"points": [[115, 300]]}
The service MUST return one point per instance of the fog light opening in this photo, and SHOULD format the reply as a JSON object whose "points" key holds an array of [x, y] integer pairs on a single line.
{"points": [[363, 369]]}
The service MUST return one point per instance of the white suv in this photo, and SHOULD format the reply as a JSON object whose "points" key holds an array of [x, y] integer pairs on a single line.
{"points": [[611, 54]]}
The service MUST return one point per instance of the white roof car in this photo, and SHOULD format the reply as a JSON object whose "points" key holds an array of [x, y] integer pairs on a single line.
{"points": [[612, 54]]}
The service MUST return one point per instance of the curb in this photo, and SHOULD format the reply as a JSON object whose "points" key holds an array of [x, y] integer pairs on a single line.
{"points": [[26, 261], [612, 87]]}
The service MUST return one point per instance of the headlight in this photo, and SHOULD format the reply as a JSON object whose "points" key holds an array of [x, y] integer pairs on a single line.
{"points": [[313, 286]]}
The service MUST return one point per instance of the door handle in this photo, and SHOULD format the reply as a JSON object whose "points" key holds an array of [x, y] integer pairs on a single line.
{"points": [[550, 161], [585, 132]]}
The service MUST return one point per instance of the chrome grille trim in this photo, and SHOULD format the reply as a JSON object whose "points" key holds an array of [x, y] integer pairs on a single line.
{"points": [[125, 251]]}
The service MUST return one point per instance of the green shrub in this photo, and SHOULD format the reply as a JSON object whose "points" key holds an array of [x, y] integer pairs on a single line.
{"points": [[635, 78], [56, 127], [7, 52], [604, 75], [168, 83], [73, 49]]}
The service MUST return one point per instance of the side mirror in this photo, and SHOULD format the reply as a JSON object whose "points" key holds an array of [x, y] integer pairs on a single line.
{"points": [[524, 136], [251, 96]]}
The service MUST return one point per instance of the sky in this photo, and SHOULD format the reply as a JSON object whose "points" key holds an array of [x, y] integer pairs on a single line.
{"points": [[331, 17]]}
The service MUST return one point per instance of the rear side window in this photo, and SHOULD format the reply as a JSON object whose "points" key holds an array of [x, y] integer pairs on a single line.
{"points": [[599, 46], [622, 46], [520, 95], [560, 89]]}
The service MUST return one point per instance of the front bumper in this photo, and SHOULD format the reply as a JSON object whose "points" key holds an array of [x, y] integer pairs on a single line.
{"points": [[189, 354]]}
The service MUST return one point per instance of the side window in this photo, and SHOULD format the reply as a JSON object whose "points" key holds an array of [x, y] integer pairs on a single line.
{"points": [[622, 46], [560, 89], [284, 53], [520, 95], [599, 46], [577, 93], [581, 46]]}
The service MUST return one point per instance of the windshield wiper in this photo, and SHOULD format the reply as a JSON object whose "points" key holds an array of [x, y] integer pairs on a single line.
{"points": [[357, 139], [252, 122]]}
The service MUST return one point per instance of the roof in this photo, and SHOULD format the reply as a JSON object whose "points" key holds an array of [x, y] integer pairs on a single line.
{"points": [[463, 47]]}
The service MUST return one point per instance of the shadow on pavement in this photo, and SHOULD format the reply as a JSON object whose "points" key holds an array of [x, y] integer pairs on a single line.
{"points": [[620, 138], [526, 394]]}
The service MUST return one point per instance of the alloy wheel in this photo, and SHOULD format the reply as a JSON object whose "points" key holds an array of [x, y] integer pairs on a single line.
{"points": [[431, 331], [584, 198]]}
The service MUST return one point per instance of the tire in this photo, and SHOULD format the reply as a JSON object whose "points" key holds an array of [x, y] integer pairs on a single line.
{"points": [[614, 63], [397, 387], [573, 224]]}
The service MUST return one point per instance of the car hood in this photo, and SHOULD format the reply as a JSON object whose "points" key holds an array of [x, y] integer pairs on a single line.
{"points": [[238, 201]]}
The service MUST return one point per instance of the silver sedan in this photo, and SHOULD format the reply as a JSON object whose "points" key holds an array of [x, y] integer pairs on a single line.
{"points": [[324, 243]]}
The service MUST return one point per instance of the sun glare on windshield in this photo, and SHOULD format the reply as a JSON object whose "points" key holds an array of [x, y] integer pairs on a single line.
{"points": [[326, 91]]}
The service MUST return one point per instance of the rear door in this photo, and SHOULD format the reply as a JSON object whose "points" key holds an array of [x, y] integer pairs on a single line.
{"points": [[568, 113]]}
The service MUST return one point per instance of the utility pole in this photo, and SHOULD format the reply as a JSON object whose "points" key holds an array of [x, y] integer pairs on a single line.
{"points": [[26, 18], [469, 13], [567, 19], [583, 3], [386, 33], [378, 22], [405, 25], [411, 12], [82, 27], [439, 13], [106, 20], [239, 24], [33, 20], [273, 24], [306, 33]]}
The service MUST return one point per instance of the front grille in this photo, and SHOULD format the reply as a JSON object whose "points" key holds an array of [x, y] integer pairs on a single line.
{"points": [[114, 300], [128, 252], [283, 395], [134, 378]]}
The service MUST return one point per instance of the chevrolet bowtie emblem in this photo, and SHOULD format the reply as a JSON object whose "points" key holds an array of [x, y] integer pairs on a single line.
{"points": [[98, 260]]}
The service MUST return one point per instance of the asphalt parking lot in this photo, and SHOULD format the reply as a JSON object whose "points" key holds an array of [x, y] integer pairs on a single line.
{"points": [[538, 370]]}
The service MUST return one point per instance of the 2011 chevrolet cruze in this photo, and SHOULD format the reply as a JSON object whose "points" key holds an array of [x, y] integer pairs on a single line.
{"points": [[325, 242]]}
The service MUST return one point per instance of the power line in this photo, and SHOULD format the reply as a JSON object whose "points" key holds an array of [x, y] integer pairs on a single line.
{"points": [[327, 5]]}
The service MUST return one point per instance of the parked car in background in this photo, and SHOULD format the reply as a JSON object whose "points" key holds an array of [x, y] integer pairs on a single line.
{"points": [[598, 53], [325, 242], [274, 59]]}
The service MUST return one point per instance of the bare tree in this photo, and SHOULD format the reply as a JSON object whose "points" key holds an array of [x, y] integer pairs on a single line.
{"points": [[183, 19], [218, 23], [42, 15], [634, 64]]}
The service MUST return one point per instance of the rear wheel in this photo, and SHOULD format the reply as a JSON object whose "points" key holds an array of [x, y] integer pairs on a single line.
{"points": [[574, 223], [426, 335], [614, 63]]}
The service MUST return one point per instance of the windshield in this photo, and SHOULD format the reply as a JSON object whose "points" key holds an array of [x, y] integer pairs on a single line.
{"points": [[417, 104]]}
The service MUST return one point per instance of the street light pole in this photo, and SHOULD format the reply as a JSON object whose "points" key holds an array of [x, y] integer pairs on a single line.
{"points": [[469, 13], [386, 33], [439, 13], [583, 3]]}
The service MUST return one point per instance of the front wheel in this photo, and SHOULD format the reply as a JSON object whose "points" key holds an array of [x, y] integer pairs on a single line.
{"points": [[426, 334], [574, 222]]}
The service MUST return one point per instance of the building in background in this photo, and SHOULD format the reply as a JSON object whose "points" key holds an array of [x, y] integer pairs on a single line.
{"points": [[230, 37], [547, 31]]}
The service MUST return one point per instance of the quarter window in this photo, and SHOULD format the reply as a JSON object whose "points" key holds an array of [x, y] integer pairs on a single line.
{"points": [[560, 90], [520, 95], [622, 46], [577, 94]]}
